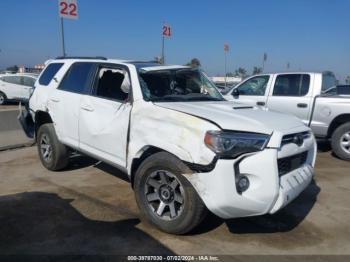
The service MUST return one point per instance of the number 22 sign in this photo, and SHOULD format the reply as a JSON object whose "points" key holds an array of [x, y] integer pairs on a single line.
{"points": [[68, 9]]}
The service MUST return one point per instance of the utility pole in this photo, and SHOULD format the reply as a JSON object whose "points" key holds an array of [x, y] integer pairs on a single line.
{"points": [[62, 37], [166, 32], [163, 57], [67, 9], [264, 60], [226, 50]]}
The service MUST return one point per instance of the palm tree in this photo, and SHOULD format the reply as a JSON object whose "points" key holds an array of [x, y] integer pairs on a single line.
{"points": [[241, 72], [257, 70], [194, 62], [347, 80]]}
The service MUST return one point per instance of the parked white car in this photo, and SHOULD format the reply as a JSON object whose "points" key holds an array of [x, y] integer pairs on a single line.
{"points": [[311, 96], [184, 148], [16, 87]]}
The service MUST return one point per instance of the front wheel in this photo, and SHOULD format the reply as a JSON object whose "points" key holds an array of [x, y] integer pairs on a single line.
{"points": [[341, 141], [165, 197], [52, 153]]}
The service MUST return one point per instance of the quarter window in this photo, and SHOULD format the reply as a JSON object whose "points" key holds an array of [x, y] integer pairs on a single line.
{"points": [[255, 86], [49, 73], [28, 81], [292, 85], [77, 78]]}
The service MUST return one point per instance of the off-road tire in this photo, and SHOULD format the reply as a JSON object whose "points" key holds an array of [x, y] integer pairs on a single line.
{"points": [[338, 150], [194, 210], [59, 153]]}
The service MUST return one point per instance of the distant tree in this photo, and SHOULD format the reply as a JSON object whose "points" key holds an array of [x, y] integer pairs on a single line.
{"points": [[257, 70], [230, 75], [194, 63], [12, 68], [241, 72]]}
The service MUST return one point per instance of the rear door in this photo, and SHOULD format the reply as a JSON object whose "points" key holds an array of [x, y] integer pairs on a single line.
{"points": [[64, 101], [104, 115], [253, 91], [292, 94]]}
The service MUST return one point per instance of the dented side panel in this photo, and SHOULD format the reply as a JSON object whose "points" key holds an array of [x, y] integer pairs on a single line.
{"points": [[175, 132]]}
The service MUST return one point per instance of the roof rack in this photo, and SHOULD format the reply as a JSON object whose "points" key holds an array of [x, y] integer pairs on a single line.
{"points": [[82, 57]]}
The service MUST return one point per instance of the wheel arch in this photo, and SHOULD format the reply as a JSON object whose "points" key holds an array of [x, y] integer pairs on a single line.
{"points": [[336, 122], [141, 156], [41, 118]]}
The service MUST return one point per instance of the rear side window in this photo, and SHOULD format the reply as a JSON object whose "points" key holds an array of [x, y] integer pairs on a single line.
{"points": [[292, 85], [77, 78], [49, 73]]}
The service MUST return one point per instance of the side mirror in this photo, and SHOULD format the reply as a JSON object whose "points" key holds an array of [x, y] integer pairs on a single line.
{"points": [[235, 93]]}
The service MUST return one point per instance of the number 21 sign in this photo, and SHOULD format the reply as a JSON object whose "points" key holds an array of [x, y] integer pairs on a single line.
{"points": [[68, 9]]}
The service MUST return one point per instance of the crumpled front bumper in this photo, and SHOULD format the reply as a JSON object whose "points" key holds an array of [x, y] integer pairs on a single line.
{"points": [[268, 191]]}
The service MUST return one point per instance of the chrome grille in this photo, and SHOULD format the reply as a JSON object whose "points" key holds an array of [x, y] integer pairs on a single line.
{"points": [[291, 138]]}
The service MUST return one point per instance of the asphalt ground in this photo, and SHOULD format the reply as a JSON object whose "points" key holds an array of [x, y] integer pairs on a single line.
{"points": [[89, 209], [11, 133]]}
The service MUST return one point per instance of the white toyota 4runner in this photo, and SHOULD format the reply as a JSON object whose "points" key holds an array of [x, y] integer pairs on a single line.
{"points": [[183, 146]]}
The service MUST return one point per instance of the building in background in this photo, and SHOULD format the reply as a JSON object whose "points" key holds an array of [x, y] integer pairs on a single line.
{"points": [[36, 69], [220, 80]]}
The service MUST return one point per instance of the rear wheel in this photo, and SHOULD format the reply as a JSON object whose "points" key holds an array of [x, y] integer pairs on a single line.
{"points": [[165, 197], [341, 141], [52, 153], [2, 98]]}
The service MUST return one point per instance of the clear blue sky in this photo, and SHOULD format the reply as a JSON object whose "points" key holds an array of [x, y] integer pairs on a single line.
{"points": [[310, 34]]}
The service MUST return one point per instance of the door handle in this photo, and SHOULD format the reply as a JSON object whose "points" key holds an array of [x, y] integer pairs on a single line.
{"points": [[260, 103], [56, 100], [302, 105], [87, 108]]}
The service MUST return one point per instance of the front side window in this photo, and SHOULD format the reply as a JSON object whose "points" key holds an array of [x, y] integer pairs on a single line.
{"points": [[112, 83], [255, 86], [49, 72], [177, 85], [77, 78], [292, 85]]}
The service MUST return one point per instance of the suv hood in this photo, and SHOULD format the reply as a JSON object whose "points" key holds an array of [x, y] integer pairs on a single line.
{"points": [[232, 116]]}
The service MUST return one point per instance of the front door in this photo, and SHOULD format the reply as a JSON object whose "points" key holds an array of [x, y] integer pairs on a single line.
{"points": [[104, 115]]}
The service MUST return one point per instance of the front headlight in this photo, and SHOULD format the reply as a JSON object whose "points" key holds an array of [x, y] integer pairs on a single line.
{"points": [[229, 144]]}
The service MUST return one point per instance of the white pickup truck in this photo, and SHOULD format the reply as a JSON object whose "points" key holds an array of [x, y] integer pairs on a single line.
{"points": [[308, 95], [184, 148]]}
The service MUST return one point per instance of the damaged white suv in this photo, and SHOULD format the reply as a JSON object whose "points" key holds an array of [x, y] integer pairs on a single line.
{"points": [[184, 148]]}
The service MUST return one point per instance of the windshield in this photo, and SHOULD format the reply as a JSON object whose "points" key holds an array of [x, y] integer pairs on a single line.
{"points": [[177, 85]]}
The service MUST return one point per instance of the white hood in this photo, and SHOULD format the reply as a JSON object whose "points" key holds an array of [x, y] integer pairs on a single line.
{"points": [[232, 116]]}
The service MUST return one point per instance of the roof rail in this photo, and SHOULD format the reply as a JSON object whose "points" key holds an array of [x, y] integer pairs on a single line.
{"points": [[82, 57], [136, 61]]}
